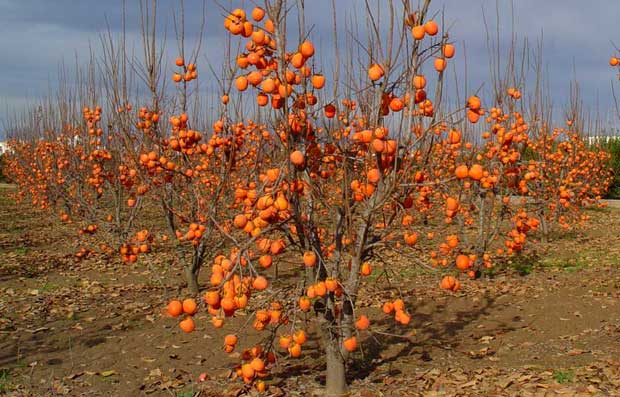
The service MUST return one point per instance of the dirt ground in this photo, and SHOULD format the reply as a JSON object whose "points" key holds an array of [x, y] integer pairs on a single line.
{"points": [[549, 326]]}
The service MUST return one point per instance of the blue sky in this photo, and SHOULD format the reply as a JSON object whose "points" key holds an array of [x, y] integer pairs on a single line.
{"points": [[37, 36]]}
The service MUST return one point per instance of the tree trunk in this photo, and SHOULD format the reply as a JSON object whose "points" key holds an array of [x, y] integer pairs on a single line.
{"points": [[544, 227], [336, 380], [335, 373], [193, 269], [191, 276]]}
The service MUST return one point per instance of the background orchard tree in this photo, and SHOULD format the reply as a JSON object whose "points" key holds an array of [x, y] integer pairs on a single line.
{"points": [[79, 165]]}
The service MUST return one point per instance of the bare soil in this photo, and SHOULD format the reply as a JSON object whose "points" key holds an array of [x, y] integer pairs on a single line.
{"points": [[548, 325]]}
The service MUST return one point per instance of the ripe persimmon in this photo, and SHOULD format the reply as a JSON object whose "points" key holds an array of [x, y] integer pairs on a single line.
{"points": [[241, 83], [452, 204], [362, 322], [473, 102], [418, 32], [366, 269], [240, 221], [212, 298], [260, 283], [396, 104], [462, 262], [257, 364], [374, 175], [448, 50], [306, 49], [297, 158], [309, 258], [300, 337], [187, 325], [318, 81], [375, 72], [285, 341], [294, 350], [449, 283], [189, 306], [431, 28], [330, 111], [475, 172], [440, 64], [419, 81], [350, 344], [461, 172], [175, 308], [258, 14], [304, 303], [265, 261], [230, 340]]}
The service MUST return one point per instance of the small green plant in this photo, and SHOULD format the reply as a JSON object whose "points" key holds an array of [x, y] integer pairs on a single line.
{"points": [[523, 268], [21, 250], [523, 264], [564, 376], [5, 380], [571, 265], [186, 393], [574, 266], [48, 287]]}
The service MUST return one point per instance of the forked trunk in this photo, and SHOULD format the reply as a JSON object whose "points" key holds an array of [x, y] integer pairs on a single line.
{"points": [[193, 269], [191, 276]]}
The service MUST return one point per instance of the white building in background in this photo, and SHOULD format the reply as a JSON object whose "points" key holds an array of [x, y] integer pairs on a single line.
{"points": [[594, 139], [4, 147]]}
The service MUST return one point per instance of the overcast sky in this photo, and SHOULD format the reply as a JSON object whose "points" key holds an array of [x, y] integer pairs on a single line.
{"points": [[37, 36]]}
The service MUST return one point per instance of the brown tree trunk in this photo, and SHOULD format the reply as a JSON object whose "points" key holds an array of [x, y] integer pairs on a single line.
{"points": [[335, 360], [191, 276], [335, 380], [193, 269]]}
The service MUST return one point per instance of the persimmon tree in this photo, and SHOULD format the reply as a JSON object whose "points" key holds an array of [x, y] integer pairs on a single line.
{"points": [[481, 201], [344, 178], [331, 187], [564, 177], [69, 163], [193, 173]]}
